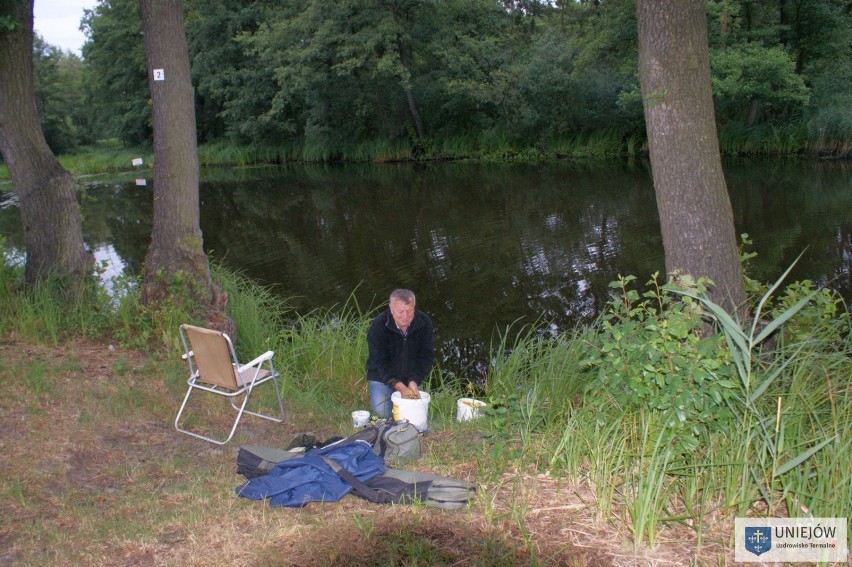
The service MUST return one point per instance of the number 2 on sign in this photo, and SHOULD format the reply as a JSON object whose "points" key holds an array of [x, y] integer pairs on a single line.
{"points": [[159, 75]]}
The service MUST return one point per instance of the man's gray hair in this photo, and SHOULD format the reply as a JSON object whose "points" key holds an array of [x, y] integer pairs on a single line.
{"points": [[404, 295]]}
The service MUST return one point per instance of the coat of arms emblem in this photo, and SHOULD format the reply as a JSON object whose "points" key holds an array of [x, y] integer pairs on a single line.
{"points": [[758, 540]]}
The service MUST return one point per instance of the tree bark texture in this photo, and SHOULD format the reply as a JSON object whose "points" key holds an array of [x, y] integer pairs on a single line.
{"points": [[50, 215], [176, 242], [697, 221]]}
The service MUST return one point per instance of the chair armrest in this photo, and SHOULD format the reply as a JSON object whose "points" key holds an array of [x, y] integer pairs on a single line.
{"points": [[263, 357]]}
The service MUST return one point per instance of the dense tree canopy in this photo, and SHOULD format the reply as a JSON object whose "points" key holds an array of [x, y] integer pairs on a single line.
{"points": [[319, 79], [58, 77], [116, 79]]}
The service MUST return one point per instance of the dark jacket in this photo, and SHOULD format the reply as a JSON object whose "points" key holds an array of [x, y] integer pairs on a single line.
{"points": [[394, 357]]}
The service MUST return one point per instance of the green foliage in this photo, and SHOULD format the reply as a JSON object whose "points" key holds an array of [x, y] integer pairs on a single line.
{"points": [[783, 424], [116, 77], [504, 411], [791, 60], [534, 384], [824, 315], [770, 459], [51, 311], [104, 156], [59, 96], [257, 312], [829, 118], [752, 74], [326, 352], [321, 81], [132, 327], [8, 22], [651, 354], [232, 86], [36, 377], [10, 278]]}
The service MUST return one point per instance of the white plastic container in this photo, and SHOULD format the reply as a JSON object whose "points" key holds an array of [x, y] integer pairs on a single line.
{"points": [[415, 412], [468, 409], [360, 418]]}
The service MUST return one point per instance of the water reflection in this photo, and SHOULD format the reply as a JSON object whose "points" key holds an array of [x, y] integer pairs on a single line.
{"points": [[487, 247], [110, 265]]}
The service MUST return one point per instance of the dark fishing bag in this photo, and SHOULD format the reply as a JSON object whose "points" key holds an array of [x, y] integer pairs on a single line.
{"points": [[398, 442], [396, 486], [257, 460]]}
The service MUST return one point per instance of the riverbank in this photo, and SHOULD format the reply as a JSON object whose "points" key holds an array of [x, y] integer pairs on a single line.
{"points": [[793, 141], [638, 440], [95, 474]]}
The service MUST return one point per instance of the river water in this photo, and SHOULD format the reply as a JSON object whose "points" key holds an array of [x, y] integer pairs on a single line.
{"points": [[485, 246]]}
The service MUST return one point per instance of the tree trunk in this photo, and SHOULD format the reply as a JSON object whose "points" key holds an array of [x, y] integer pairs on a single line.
{"points": [[752, 112], [409, 95], [697, 222], [176, 249], [53, 231]]}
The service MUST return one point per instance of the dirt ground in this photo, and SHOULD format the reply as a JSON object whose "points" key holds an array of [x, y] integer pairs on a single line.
{"points": [[94, 473]]}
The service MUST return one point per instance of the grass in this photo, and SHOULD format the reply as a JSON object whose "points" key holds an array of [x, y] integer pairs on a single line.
{"points": [[781, 452], [817, 137], [90, 454], [821, 136], [824, 133], [94, 473], [105, 157]]}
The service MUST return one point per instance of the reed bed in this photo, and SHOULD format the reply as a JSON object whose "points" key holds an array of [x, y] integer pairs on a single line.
{"points": [[781, 449], [823, 134]]}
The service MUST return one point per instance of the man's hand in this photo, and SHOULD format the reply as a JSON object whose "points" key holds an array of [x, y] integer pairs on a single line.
{"points": [[414, 390], [410, 392]]}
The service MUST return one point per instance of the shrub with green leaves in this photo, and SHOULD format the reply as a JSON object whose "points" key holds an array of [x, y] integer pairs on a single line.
{"points": [[825, 316], [652, 353]]}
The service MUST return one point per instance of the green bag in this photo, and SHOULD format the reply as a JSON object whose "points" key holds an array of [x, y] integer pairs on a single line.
{"points": [[398, 442], [396, 486], [440, 491]]}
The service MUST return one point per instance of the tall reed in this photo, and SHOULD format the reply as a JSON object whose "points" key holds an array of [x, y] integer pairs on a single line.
{"points": [[258, 313], [326, 351], [783, 437]]}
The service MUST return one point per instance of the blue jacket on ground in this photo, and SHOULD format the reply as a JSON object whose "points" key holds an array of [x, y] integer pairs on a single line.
{"points": [[296, 482]]}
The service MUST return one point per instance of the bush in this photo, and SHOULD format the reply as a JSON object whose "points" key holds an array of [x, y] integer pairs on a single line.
{"points": [[652, 353]]}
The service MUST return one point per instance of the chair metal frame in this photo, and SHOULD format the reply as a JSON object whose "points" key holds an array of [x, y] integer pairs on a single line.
{"points": [[235, 381]]}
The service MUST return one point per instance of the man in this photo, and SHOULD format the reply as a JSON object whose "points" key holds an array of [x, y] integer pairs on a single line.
{"points": [[401, 352]]}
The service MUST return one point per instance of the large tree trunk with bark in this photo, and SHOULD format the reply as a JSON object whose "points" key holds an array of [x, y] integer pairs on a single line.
{"points": [[176, 249], [695, 210], [53, 231]]}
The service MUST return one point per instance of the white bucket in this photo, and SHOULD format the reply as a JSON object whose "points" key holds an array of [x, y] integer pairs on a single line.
{"points": [[415, 412], [468, 409]]}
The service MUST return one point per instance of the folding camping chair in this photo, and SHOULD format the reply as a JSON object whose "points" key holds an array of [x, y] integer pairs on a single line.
{"points": [[214, 368]]}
